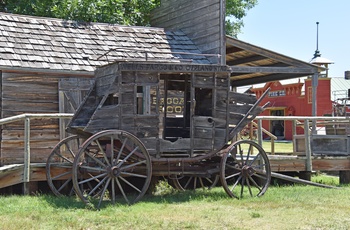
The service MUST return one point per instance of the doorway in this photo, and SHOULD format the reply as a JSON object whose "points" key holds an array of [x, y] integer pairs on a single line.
{"points": [[277, 126]]}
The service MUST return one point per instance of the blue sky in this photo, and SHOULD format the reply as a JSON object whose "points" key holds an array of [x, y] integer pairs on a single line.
{"points": [[289, 27]]}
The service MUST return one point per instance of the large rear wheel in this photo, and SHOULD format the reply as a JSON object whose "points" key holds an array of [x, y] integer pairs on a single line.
{"points": [[59, 165], [112, 166]]}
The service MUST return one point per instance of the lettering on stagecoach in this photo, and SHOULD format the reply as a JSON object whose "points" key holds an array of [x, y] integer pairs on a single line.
{"points": [[158, 67]]}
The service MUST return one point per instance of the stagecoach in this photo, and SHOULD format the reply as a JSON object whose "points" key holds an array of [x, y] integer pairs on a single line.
{"points": [[143, 120]]}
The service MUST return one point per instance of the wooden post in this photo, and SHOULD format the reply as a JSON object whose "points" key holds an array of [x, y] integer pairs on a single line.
{"points": [[307, 146], [26, 173], [259, 134], [344, 177]]}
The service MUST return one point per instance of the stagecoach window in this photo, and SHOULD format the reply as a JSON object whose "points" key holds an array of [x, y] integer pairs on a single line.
{"points": [[112, 99], [147, 102]]}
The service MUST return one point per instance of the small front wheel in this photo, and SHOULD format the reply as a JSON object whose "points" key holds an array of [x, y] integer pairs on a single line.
{"points": [[245, 170]]}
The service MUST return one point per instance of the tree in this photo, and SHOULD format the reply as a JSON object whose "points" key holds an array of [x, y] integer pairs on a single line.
{"points": [[124, 12], [235, 11]]}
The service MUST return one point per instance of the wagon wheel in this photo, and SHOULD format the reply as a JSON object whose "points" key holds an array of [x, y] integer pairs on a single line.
{"points": [[59, 165], [184, 183], [245, 170], [112, 166]]}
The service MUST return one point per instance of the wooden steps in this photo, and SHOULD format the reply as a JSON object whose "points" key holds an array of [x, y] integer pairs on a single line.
{"points": [[14, 174]]}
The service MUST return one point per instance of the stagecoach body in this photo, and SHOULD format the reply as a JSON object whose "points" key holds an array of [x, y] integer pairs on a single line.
{"points": [[147, 119]]}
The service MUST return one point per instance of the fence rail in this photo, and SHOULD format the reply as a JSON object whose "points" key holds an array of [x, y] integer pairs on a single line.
{"points": [[27, 117], [309, 134]]}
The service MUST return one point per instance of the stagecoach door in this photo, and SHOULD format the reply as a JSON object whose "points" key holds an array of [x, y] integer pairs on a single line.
{"points": [[176, 107], [277, 126]]}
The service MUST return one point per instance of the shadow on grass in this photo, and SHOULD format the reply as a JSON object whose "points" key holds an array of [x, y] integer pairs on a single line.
{"points": [[171, 197]]}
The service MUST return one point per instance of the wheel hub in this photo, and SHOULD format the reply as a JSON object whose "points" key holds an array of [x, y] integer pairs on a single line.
{"points": [[247, 171], [113, 171]]}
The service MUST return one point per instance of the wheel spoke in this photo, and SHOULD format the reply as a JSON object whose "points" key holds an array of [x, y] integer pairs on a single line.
{"points": [[97, 186], [61, 175], [249, 187], [121, 149], [132, 165], [233, 175], [95, 159], [255, 184], [103, 193], [122, 191], [70, 151], [133, 174], [92, 169], [128, 183], [254, 159], [242, 187], [92, 178], [127, 157], [113, 191], [236, 183], [188, 182], [64, 184], [103, 153], [63, 157]]}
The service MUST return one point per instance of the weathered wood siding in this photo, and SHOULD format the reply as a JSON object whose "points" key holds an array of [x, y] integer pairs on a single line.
{"points": [[202, 20], [30, 93]]}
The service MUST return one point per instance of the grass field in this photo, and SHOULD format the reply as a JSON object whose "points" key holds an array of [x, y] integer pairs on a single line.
{"points": [[287, 207]]}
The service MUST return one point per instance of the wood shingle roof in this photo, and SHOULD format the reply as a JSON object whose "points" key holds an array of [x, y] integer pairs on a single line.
{"points": [[37, 43]]}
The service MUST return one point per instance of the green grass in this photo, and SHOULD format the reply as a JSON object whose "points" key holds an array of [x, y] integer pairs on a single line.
{"points": [[280, 146], [286, 207]]}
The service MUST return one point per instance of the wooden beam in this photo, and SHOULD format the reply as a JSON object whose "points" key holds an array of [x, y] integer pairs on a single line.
{"points": [[262, 79], [241, 61], [233, 50], [268, 69], [267, 53]]}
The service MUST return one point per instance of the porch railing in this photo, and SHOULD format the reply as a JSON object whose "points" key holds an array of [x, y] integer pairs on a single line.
{"points": [[27, 117]]}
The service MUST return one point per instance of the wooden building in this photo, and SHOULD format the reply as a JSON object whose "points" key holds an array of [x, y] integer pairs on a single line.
{"points": [[293, 99], [47, 65]]}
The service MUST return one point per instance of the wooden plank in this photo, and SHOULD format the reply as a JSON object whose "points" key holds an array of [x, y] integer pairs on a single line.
{"points": [[146, 78], [35, 134], [151, 143], [203, 121], [179, 145], [11, 175], [146, 121], [287, 164], [239, 109], [204, 133], [222, 81], [242, 98], [111, 69], [128, 99], [103, 84], [143, 132], [128, 77], [203, 81]]}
